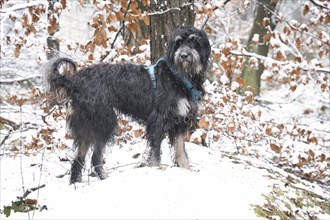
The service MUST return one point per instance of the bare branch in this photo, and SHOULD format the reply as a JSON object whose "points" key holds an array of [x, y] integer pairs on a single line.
{"points": [[20, 79], [319, 4], [118, 32], [22, 6], [28, 191], [262, 58]]}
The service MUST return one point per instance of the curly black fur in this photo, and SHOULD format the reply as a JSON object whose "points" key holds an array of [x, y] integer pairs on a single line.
{"points": [[97, 91]]}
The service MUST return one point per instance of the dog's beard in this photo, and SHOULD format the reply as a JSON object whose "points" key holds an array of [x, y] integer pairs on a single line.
{"points": [[187, 61]]}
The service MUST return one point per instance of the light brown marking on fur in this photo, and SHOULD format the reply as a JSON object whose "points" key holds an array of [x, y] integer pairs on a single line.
{"points": [[180, 157]]}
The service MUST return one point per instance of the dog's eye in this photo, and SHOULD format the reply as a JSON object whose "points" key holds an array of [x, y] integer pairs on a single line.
{"points": [[178, 40], [193, 38]]}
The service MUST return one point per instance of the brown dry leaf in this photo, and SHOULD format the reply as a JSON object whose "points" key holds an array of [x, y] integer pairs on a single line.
{"points": [[280, 127], [20, 102], [298, 43], [138, 133], [311, 153], [324, 87], [265, 21], [312, 140], [322, 157], [24, 20], [306, 9], [146, 20], [203, 123], [17, 50], [240, 81], [35, 18], [269, 131], [275, 148], [63, 2], [145, 2], [123, 122], [90, 57], [32, 29], [293, 88], [216, 137], [327, 18], [135, 7], [231, 127], [287, 30], [31, 201], [266, 37], [52, 26], [123, 4], [112, 29], [132, 27]]}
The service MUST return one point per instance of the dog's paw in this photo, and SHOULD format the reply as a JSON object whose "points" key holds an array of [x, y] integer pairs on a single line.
{"points": [[101, 172], [148, 163], [182, 162], [103, 176]]}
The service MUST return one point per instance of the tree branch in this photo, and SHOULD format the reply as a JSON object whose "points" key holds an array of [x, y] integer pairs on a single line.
{"points": [[118, 32], [28, 191], [262, 58], [319, 4]]}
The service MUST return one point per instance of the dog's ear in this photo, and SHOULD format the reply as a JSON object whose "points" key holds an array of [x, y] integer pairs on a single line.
{"points": [[170, 51], [205, 44]]}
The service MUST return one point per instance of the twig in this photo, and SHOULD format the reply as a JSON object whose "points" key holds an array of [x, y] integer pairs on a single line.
{"points": [[8, 81], [28, 191], [319, 4], [118, 32], [6, 137], [8, 122]]}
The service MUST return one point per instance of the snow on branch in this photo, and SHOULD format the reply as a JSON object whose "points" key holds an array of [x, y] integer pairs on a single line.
{"points": [[319, 4], [16, 7], [262, 58]]}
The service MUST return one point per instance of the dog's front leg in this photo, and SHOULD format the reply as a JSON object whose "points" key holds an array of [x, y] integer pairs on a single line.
{"points": [[155, 134], [180, 156]]}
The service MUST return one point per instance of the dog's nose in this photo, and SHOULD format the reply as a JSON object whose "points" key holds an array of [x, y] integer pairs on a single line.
{"points": [[184, 55]]}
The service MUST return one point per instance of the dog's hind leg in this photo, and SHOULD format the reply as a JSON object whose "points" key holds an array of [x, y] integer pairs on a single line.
{"points": [[97, 160], [78, 162]]}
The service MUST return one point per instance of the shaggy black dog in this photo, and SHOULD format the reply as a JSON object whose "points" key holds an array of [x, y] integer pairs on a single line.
{"points": [[164, 97]]}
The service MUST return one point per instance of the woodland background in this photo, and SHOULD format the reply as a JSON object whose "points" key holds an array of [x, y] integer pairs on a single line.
{"points": [[267, 87]]}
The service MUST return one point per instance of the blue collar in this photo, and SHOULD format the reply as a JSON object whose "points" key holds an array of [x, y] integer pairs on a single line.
{"points": [[194, 92]]}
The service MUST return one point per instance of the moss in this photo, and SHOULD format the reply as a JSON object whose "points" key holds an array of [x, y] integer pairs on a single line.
{"points": [[297, 207]]}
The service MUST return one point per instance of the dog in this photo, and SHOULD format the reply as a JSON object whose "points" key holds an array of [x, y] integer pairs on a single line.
{"points": [[163, 96]]}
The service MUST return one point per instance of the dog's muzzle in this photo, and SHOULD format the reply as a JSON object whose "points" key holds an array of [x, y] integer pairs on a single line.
{"points": [[185, 56], [186, 59]]}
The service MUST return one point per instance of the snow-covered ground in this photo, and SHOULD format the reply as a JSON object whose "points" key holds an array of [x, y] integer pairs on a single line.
{"points": [[214, 188], [219, 186]]}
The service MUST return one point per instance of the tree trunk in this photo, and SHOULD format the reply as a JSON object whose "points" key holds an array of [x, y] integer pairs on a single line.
{"points": [[166, 17], [251, 76]]}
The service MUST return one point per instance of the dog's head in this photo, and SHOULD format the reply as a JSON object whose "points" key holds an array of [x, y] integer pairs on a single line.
{"points": [[188, 51]]}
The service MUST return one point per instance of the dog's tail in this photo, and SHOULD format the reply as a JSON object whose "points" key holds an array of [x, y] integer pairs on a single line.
{"points": [[58, 77]]}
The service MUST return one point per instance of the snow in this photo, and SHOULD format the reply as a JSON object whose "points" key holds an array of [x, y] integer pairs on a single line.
{"points": [[214, 188]]}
